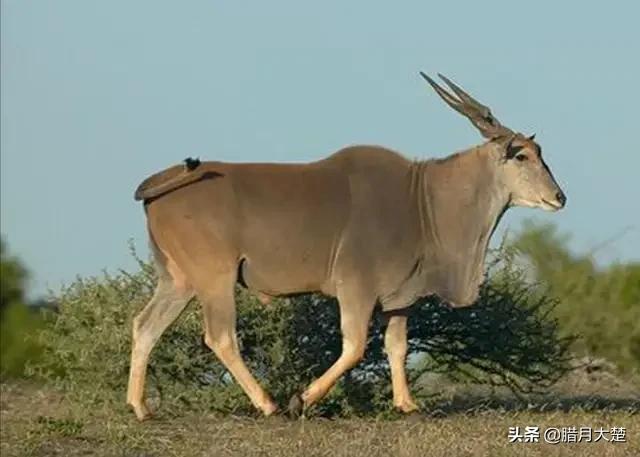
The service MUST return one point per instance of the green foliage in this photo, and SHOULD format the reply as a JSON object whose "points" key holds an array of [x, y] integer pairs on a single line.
{"points": [[507, 339], [602, 305], [19, 328], [18, 324], [13, 277]]}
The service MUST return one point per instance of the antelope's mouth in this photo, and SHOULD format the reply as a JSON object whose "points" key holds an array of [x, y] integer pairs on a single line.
{"points": [[550, 206]]}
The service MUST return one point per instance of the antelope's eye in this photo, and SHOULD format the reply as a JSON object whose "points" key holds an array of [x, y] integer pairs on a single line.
{"points": [[521, 157]]}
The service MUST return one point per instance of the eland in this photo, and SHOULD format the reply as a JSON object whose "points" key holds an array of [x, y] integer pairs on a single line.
{"points": [[365, 225]]}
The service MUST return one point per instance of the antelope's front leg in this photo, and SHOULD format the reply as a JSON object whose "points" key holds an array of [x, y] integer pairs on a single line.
{"points": [[395, 343]]}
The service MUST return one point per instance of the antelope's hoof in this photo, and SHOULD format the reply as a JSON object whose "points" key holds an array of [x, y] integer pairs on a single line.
{"points": [[270, 409], [296, 406], [277, 418], [413, 417], [142, 412]]}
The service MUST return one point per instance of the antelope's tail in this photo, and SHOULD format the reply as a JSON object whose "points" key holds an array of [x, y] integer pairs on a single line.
{"points": [[171, 179]]}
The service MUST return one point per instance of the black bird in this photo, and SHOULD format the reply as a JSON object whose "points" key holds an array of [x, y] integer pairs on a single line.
{"points": [[191, 164]]}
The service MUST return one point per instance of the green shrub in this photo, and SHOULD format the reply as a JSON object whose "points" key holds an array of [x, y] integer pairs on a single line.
{"points": [[508, 339], [602, 305], [19, 328], [18, 324], [13, 277]]}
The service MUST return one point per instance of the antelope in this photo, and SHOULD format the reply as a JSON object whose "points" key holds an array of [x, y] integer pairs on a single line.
{"points": [[365, 225]]}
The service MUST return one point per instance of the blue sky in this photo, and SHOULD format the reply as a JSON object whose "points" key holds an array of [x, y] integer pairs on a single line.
{"points": [[98, 95]]}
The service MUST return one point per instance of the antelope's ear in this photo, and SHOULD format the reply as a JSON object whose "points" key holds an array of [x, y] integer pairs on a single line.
{"points": [[532, 137], [512, 151], [510, 148]]}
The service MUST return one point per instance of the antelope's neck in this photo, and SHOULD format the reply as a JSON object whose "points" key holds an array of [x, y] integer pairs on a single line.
{"points": [[459, 205]]}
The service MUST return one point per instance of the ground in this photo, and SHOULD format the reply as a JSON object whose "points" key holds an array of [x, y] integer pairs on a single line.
{"points": [[38, 421]]}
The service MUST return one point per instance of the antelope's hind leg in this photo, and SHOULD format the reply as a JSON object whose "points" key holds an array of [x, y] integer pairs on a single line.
{"points": [[219, 313], [168, 301], [356, 306]]}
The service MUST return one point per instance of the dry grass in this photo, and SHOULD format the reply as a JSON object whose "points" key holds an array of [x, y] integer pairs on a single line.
{"points": [[39, 422]]}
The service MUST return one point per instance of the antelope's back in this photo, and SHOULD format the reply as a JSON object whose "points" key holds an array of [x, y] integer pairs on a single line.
{"points": [[287, 221]]}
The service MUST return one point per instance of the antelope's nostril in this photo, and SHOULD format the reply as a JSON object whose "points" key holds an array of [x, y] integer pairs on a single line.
{"points": [[561, 197]]}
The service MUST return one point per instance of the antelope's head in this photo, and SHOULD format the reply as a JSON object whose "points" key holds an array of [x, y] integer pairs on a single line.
{"points": [[517, 158]]}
